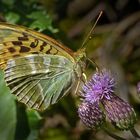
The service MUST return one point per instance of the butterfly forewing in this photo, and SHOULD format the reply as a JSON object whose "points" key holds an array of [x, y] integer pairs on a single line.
{"points": [[18, 41], [38, 70]]}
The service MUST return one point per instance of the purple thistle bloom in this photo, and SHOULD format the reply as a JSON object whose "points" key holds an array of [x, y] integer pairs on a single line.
{"points": [[100, 90], [100, 86]]}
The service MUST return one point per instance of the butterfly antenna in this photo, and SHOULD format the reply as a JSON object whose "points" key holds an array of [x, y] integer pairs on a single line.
{"points": [[89, 36], [94, 64]]}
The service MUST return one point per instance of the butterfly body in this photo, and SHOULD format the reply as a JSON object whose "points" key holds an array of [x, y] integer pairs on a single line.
{"points": [[38, 69]]}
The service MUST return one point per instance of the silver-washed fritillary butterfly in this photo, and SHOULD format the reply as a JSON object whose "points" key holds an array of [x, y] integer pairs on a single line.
{"points": [[38, 70]]}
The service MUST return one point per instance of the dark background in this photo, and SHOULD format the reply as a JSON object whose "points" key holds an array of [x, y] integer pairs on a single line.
{"points": [[115, 46]]}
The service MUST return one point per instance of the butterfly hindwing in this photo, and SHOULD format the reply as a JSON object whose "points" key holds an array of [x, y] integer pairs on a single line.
{"points": [[40, 80]]}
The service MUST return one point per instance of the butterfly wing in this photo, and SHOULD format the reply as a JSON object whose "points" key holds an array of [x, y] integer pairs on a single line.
{"points": [[39, 80], [18, 41], [38, 70]]}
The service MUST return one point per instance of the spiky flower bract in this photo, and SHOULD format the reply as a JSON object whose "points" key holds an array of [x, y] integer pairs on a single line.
{"points": [[119, 112], [91, 115]]}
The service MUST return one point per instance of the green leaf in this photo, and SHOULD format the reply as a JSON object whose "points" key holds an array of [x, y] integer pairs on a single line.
{"points": [[34, 119], [42, 21], [7, 111], [34, 135], [8, 2], [12, 17]]}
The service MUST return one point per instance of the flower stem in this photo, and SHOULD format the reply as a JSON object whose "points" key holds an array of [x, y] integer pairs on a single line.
{"points": [[134, 133], [113, 135]]}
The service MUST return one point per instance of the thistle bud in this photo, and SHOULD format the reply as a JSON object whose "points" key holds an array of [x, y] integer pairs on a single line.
{"points": [[120, 113], [91, 115]]}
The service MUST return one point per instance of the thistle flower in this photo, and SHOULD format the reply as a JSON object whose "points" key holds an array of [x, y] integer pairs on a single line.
{"points": [[100, 90], [100, 86]]}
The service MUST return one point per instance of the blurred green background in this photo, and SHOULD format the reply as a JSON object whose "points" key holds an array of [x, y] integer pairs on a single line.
{"points": [[115, 46]]}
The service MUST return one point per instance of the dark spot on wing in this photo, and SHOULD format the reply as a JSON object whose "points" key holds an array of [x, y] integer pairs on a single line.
{"points": [[56, 52], [17, 43], [25, 34], [42, 46], [12, 50], [34, 44], [24, 49], [23, 38], [48, 51], [35, 53]]}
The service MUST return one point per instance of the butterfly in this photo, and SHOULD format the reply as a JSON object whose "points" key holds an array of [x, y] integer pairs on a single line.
{"points": [[38, 70]]}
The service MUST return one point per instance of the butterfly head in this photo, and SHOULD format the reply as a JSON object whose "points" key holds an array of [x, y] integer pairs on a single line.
{"points": [[80, 55], [80, 58]]}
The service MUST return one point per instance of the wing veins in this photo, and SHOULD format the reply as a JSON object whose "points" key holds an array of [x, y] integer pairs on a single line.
{"points": [[43, 100]]}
